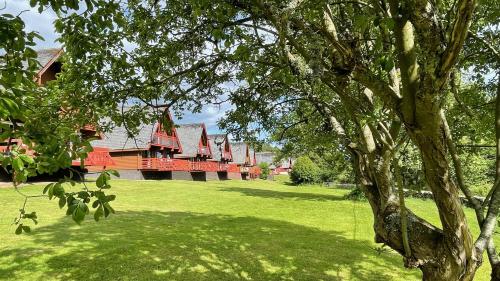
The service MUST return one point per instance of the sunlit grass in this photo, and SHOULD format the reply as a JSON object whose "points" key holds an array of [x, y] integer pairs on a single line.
{"points": [[231, 230]]}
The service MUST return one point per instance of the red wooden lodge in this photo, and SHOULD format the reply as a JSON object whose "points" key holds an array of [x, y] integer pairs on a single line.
{"points": [[183, 152], [50, 67], [179, 152]]}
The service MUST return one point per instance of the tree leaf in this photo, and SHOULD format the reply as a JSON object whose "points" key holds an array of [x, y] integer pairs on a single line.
{"points": [[18, 164], [114, 173], [27, 159], [19, 229], [101, 180], [99, 212], [26, 229], [47, 187], [79, 212], [62, 202]]}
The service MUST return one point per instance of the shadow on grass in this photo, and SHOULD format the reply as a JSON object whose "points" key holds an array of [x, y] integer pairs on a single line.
{"points": [[265, 193], [189, 246]]}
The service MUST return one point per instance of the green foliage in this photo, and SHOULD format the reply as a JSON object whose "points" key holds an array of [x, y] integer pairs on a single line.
{"points": [[78, 202], [305, 171], [411, 168], [34, 115], [335, 166], [264, 167], [479, 169]]}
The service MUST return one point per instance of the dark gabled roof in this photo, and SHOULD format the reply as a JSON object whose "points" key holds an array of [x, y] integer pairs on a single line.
{"points": [[265, 157], [239, 150], [46, 55], [118, 138], [189, 136], [216, 153]]}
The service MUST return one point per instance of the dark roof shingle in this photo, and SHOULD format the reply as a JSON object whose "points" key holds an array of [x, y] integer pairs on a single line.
{"points": [[216, 153], [189, 136], [239, 150], [118, 138], [46, 55], [265, 157]]}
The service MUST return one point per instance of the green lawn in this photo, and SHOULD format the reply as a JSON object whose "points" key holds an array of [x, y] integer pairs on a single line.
{"points": [[232, 230]]}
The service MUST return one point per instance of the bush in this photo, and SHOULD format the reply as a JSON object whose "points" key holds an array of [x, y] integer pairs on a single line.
{"points": [[264, 167], [305, 171]]}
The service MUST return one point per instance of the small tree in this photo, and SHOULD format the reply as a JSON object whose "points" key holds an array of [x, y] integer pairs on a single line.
{"points": [[305, 171], [264, 167]]}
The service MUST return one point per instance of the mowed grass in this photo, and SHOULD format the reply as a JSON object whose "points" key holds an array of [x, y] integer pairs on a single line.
{"points": [[231, 230]]}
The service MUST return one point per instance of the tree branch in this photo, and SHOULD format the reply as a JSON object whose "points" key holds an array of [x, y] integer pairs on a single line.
{"points": [[465, 10]]}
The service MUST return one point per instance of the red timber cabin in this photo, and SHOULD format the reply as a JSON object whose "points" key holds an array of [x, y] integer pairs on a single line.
{"points": [[285, 167], [147, 155], [196, 153], [51, 65], [244, 164], [221, 153]]}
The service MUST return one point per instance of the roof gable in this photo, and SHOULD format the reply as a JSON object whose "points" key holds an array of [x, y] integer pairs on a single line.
{"points": [[240, 152], [190, 137], [216, 145], [265, 157], [46, 58], [119, 138], [171, 130]]}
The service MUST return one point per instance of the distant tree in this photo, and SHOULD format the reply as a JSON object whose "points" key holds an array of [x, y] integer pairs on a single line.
{"points": [[266, 147], [305, 171], [265, 171]]}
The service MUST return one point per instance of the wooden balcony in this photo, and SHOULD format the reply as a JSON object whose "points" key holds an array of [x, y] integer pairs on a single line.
{"points": [[222, 167], [233, 168], [99, 157], [204, 166], [165, 164], [165, 140]]}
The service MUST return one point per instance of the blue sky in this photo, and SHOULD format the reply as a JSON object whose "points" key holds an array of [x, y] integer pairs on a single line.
{"points": [[43, 24]]}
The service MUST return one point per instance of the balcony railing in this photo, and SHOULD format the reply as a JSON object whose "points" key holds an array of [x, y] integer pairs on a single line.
{"points": [[233, 168], [99, 157], [150, 164], [165, 164], [88, 127], [165, 140], [206, 166]]}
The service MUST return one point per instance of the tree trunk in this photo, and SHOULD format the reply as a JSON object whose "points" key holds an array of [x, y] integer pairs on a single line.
{"points": [[455, 259], [441, 255]]}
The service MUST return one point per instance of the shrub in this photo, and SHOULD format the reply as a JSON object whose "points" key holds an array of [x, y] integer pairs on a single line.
{"points": [[264, 167], [305, 171]]}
